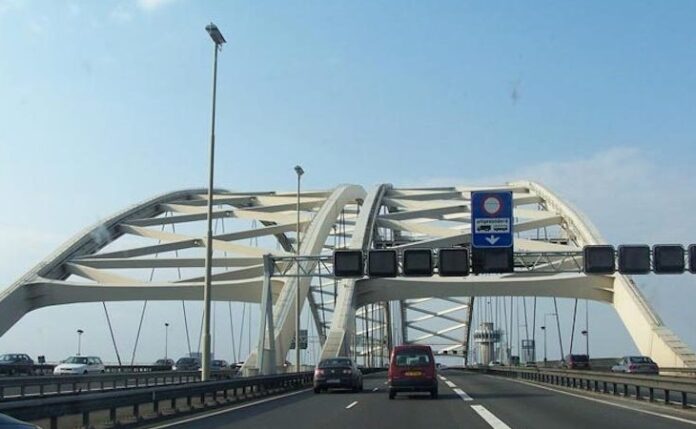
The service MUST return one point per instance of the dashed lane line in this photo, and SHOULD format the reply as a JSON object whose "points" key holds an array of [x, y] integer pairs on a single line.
{"points": [[462, 394], [351, 405], [375, 389], [489, 417], [450, 384], [228, 410]]}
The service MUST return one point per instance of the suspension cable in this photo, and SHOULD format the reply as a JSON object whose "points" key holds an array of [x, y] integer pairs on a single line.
{"points": [[241, 329], [111, 330], [534, 328], [234, 349], [572, 331], [142, 313], [526, 325], [558, 327], [137, 336], [183, 305]]}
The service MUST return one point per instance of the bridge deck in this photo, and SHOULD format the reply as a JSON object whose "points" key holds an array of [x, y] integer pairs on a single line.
{"points": [[505, 403]]}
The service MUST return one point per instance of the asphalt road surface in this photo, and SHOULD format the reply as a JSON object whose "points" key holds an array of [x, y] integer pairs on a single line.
{"points": [[466, 400]]}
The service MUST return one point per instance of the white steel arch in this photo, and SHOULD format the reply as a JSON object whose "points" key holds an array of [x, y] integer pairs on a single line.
{"points": [[440, 217], [99, 265]]}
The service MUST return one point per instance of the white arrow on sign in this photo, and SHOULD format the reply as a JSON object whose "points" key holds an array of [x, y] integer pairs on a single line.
{"points": [[492, 239]]}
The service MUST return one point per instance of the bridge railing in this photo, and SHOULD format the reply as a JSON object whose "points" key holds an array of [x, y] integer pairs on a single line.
{"points": [[47, 368], [136, 405], [637, 386], [13, 388]]}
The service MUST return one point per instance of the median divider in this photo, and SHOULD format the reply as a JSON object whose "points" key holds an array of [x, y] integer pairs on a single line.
{"points": [[21, 387], [136, 406]]}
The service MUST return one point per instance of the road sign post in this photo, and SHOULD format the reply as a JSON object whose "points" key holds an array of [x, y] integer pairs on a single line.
{"points": [[491, 232]]}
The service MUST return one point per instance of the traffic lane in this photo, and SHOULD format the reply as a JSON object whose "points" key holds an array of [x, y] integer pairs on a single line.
{"points": [[305, 409], [523, 405], [344, 409]]}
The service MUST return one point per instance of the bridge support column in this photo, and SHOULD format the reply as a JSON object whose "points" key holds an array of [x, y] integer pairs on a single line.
{"points": [[266, 354]]}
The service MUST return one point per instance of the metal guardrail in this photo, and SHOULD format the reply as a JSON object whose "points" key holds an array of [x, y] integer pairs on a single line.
{"points": [[205, 394], [47, 368], [605, 382], [14, 388]]}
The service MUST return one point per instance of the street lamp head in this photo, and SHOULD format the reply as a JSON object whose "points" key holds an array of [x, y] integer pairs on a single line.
{"points": [[583, 332], [80, 331], [215, 34], [166, 324], [543, 328], [299, 170]]}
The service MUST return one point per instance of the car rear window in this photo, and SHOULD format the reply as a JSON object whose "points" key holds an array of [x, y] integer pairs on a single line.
{"points": [[412, 357], [640, 359], [334, 362], [579, 358]]}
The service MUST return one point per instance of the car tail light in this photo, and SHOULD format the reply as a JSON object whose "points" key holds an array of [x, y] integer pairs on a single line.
{"points": [[318, 372], [347, 371]]}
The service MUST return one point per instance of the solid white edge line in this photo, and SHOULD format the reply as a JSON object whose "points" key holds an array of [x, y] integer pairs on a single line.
{"points": [[489, 417], [626, 407], [351, 405], [227, 410]]}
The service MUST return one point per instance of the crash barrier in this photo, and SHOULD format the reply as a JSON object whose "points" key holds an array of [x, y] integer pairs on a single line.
{"points": [[638, 386], [13, 388], [135, 406]]}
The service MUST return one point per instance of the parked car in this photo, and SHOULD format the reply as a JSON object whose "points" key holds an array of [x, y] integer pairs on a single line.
{"points": [[187, 364], [636, 365], [495, 363], [166, 362], [7, 422], [16, 363], [219, 364], [412, 369], [576, 362], [339, 372], [75, 365]]}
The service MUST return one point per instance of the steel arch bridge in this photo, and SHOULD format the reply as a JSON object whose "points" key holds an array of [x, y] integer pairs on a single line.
{"points": [[117, 259]]}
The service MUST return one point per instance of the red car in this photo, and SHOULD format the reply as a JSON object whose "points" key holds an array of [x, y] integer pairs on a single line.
{"points": [[412, 369]]}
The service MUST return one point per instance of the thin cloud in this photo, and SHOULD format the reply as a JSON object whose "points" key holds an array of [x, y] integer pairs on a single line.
{"points": [[150, 5]]}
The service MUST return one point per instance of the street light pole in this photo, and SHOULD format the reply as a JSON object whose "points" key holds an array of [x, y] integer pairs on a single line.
{"points": [[299, 172], [218, 40], [166, 339], [79, 341], [543, 328]]}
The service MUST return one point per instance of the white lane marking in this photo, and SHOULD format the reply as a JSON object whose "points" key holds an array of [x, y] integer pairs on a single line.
{"points": [[462, 394], [351, 405], [442, 378], [450, 384], [489, 417], [228, 410], [375, 389], [626, 407]]}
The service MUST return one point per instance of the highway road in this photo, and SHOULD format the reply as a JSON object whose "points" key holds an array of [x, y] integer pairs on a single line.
{"points": [[466, 400]]}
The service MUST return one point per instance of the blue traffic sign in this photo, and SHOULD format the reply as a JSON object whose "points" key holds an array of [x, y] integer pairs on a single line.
{"points": [[491, 219]]}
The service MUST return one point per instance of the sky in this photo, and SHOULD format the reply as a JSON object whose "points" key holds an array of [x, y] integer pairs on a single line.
{"points": [[106, 103]]}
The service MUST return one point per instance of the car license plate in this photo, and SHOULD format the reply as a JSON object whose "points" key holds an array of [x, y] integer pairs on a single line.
{"points": [[413, 373], [333, 381]]}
